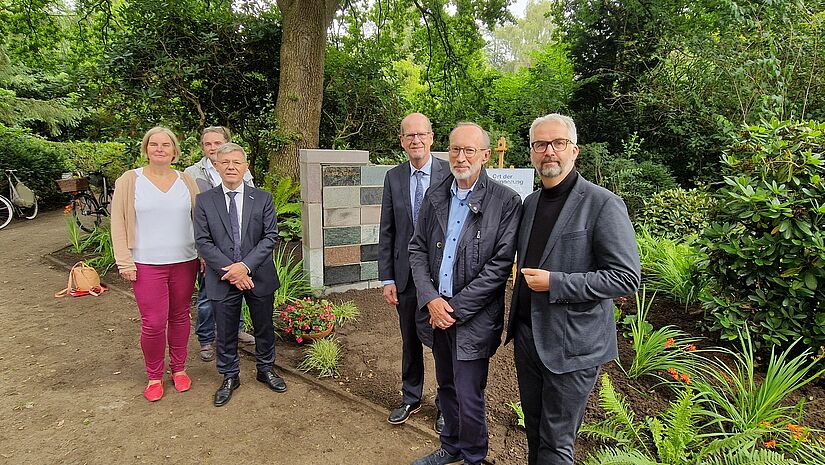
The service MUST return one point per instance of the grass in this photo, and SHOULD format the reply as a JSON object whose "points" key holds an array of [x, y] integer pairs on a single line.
{"points": [[516, 407], [669, 267], [100, 242], [654, 351], [323, 356], [75, 234], [294, 283], [345, 313], [740, 400]]}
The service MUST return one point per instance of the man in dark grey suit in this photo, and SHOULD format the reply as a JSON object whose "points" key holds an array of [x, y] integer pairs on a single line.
{"points": [[576, 253], [235, 232], [461, 255], [404, 188]]}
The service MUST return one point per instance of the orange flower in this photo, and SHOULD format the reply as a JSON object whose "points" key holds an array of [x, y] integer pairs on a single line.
{"points": [[67, 209], [670, 341], [798, 432], [673, 373], [685, 377], [766, 424], [690, 348], [770, 444]]}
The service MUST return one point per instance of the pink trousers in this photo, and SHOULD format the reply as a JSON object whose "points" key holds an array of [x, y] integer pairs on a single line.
{"points": [[163, 294]]}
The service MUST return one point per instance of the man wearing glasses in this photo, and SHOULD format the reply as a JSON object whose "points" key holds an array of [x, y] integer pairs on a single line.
{"points": [[235, 232], [461, 255], [206, 176], [576, 253], [404, 188]]}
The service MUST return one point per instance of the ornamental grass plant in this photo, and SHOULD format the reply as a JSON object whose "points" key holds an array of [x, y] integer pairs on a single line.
{"points": [[345, 313], [738, 399], [667, 349], [323, 356], [294, 284]]}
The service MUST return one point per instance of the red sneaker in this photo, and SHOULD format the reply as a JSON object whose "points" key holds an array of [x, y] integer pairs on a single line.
{"points": [[153, 392], [182, 382]]}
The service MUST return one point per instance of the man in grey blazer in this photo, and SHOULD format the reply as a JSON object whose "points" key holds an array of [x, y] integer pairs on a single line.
{"points": [[235, 232], [404, 188], [576, 253], [206, 176]]}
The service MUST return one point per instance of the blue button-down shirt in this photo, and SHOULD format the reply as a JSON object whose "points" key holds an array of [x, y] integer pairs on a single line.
{"points": [[455, 223]]}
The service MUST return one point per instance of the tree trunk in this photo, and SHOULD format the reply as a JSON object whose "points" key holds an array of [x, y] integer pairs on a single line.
{"points": [[300, 90]]}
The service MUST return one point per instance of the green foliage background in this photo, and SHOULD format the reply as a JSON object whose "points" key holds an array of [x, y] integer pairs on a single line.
{"points": [[766, 246]]}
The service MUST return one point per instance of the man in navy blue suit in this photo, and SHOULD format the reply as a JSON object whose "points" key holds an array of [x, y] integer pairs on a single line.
{"points": [[235, 232], [404, 188]]}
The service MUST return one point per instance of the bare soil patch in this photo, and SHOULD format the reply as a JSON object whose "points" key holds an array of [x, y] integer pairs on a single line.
{"points": [[369, 384]]}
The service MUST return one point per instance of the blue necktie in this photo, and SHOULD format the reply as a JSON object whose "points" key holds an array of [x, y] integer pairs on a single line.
{"points": [[419, 195], [235, 225]]}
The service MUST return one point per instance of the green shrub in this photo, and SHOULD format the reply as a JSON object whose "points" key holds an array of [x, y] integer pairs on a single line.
{"points": [[99, 242], [40, 162], [75, 234], [88, 157], [766, 247], [37, 161], [676, 213], [670, 267], [626, 177], [286, 197]]}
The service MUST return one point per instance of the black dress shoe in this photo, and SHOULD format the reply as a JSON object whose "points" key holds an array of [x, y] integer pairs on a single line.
{"points": [[439, 422], [402, 413], [224, 393], [271, 379]]}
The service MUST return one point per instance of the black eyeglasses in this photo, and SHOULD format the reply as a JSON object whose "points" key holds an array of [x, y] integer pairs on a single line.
{"points": [[411, 137], [558, 145], [468, 151]]}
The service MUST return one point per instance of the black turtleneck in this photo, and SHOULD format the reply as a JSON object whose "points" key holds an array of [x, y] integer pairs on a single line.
{"points": [[551, 201]]}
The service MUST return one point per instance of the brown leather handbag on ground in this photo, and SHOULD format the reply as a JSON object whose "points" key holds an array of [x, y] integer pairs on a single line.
{"points": [[83, 280]]}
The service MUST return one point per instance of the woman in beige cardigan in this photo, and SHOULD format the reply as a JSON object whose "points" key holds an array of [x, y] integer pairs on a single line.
{"points": [[154, 246]]}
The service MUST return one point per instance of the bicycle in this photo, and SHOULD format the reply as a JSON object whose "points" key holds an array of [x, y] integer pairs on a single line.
{"points": [[21, 200], [87, 210]]}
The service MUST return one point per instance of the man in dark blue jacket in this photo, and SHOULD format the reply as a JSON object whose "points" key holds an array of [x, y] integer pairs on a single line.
{"points": [[461, 254]]}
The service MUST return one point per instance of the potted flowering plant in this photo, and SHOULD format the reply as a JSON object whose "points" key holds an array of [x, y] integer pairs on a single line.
{"points": [[307, 318]]}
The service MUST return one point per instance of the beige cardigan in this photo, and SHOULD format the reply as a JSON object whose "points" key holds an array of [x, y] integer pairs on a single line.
{"points": [[123, 217]]}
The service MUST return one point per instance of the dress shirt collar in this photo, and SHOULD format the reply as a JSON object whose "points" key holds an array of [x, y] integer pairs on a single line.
{"points": [[239, 189], [427, 169], [462, 194]]}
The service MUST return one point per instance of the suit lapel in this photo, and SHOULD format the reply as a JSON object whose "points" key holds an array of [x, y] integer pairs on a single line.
{"points": [[438, 172], [405, 190], [220, 207], [246, 215], [571, 206]]}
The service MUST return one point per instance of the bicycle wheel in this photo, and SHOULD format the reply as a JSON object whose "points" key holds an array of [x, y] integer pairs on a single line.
{"points": [[29, 212], [6, 211], [85, 211], [104, 198]]}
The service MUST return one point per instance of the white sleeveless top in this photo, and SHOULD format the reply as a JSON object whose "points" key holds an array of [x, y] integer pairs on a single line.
{"points": [[163, 223]]}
